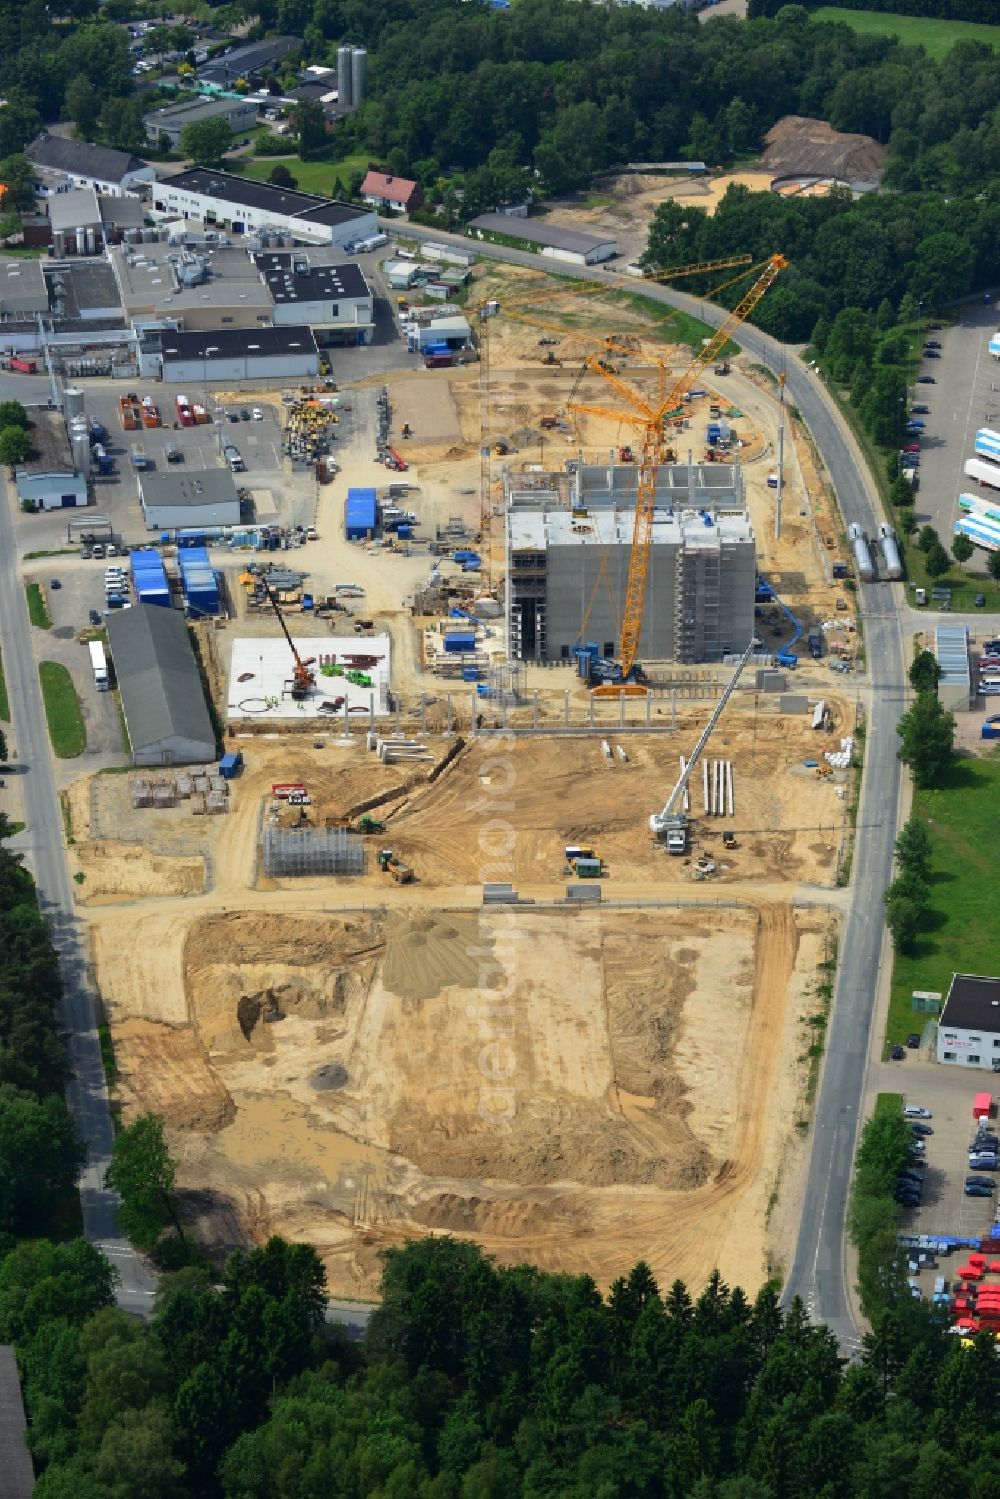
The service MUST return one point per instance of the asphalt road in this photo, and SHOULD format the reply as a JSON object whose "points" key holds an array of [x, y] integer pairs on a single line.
{"points": [[818, 1272], [87, 1093]]}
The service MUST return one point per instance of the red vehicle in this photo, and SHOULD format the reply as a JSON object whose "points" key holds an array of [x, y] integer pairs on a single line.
{"points": [[912, 447], [24, 366], [184, 413]]}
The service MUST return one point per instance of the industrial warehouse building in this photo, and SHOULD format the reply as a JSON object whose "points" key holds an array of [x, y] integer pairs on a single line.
{"points": [[162, 697], [969, 1027], [84, 221], [238, 114], [567, 533], [334, 300], [62, 163], [951, 647], [219, 358], [50, 480], [244, 206], [191, 501], [550, 239]]}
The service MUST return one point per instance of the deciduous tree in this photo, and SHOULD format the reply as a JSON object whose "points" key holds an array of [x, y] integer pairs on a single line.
{"points": [[927, 736], [142, 1172]]}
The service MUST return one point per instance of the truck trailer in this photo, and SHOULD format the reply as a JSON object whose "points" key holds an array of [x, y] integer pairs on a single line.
{"points": [[98, 662]]}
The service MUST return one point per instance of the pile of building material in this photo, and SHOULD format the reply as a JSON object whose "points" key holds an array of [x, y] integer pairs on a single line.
{"points": [[142, 791], [395, 749], [312, 851], [717, 787], [841, 759]]}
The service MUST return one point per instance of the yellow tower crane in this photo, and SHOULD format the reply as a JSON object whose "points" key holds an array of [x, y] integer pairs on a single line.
{"points": [[647, 419], [491, 307]]}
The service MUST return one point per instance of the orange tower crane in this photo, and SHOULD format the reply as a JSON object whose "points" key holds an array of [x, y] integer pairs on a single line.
{"points": [[647, 419]]}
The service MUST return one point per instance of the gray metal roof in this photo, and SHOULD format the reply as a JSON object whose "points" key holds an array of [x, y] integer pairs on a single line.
{"points": [[62, 154], [161, 692], [540, 232], [209, 486], [75, 209], [15, 1459], [951, 647]]}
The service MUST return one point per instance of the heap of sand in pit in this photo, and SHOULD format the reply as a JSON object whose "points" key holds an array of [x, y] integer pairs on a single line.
{"points": [[261, 669]]}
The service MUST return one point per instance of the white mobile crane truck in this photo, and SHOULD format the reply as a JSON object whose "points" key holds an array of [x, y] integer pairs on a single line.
{"points": [[672, 823]]}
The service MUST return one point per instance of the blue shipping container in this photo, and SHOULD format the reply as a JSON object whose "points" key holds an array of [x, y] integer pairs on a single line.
{"points": [[360, 513], [460, 642]]}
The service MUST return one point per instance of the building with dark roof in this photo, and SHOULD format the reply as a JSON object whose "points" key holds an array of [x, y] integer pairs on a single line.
{"points": [[549, 239], [244, 206], [969, 1027], [172, 119], [246, 62], [335, 300], [216, 356], [63, 162], [162, 697]]}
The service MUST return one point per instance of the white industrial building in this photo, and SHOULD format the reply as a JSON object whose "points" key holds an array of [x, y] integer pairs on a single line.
{"points": [[197, 290], [969, 1025], [51, 479], [243, 206], [162, 697], [549, 239], [63, 163], [85, 221], [261, 668], [218, 357], [568, 544], [170, 500], [334, 300]]}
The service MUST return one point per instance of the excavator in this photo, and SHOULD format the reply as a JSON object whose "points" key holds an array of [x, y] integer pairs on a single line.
{"points": [[303, 677]]}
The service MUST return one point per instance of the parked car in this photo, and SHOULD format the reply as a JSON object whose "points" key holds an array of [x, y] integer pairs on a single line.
{"points": [[926, 380], [983, 1163], [922, 1129], [54, 583], [233, 416], [980, 1181], [980, 601], [258, 414], [920, 410], [94, 617], [913, 1040], [972, 1191], [932, 353], [898, 1054], [245, 414], [933, 343], [935, 327], [915, 1111]]}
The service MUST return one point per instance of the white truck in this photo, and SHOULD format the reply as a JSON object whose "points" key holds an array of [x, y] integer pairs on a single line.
{"points": [[99, 662]]}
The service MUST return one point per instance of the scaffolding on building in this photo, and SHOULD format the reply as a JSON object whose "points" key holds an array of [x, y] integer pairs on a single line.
{"points": [[507, 682], [291, 852]]}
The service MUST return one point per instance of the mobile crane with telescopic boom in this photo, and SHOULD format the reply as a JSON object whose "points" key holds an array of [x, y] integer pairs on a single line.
{"points": [[672, 823], [303, 677]]}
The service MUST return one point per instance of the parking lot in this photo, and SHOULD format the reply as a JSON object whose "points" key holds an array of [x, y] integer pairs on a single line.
{"points": [[948, 1092], [965, 395]]}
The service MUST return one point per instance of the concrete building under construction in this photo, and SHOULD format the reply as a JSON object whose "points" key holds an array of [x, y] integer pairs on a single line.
{"points": [[568, 542]]}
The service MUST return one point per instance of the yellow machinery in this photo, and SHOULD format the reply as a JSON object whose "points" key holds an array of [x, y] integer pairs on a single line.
{"points": [[647, 419]]}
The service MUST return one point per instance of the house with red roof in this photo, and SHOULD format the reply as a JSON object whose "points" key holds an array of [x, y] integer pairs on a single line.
{"points": [[397, 194]]}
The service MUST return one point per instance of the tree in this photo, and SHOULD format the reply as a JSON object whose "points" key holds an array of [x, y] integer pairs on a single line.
{"points": [[3, 748], [83, 105], [901, 492], [961, 548], [925, 672], [40, 1157], [913, 847], [993, 567], [927, 735], [937, 562], [12, 414], [15, 446], [904, 918], [142, 1172], [310, 125], [928, 537], [206, 141], [18, 177], [280, 176], [20, 122], [907, 522]]}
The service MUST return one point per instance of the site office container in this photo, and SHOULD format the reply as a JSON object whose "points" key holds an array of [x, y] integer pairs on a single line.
{"points": [[982, 1105]]}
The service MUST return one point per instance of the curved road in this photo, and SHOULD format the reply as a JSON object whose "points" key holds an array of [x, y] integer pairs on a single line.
{"points": [[818, 1271]]}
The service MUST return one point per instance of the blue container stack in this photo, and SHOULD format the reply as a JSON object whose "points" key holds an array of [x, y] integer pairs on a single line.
{"points": [[459, 642], [360, 514], [201, 589], [150, 578]]}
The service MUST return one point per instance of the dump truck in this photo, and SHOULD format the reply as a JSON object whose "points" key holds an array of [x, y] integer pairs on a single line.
{"points": [[389, 864]]}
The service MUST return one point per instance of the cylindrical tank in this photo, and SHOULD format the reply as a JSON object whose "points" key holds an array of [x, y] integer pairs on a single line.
{"points": [[344, 56], [81, 240], [359, 75], [80, 444], [862, 552], [72, 402], [91, 241], [59, 243], [890, 551]]}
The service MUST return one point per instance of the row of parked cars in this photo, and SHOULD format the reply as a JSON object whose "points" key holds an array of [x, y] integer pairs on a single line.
{"points": [[910, 1180], [984, 1155]]}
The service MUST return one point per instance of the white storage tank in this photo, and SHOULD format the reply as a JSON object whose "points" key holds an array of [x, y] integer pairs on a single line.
{"points": [[72, 402], [359, 75]]}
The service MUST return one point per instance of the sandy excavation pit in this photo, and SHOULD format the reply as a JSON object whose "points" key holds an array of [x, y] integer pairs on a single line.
{"points": [[563, 1087]]}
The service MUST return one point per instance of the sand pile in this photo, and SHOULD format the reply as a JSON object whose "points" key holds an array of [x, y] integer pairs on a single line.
{"points": [[425, 954]]}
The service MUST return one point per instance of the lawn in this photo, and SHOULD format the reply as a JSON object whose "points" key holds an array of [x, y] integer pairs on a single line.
{"points": [[961, 932], [4, 699], [37, 612], [311, 176], [936, 37], [963, 588], [62, 710]]}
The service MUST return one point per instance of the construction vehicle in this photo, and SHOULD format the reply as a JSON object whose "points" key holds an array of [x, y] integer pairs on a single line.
{"points": [[303, 677], [723, 368], [673, 822], [389, 864], [647, 417], [729, 841], [366, 824], [626, 455]]}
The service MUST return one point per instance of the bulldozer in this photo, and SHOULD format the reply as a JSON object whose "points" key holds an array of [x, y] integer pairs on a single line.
{"points": [[366, 824]]}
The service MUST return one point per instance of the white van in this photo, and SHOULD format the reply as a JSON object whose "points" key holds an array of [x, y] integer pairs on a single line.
{"points": [[405, 255]]}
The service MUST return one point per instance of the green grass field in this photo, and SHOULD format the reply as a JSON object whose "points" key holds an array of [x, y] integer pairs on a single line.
{"points": [[311, 176], [4, 699], [62, 710], [936, 37], [37, 612], [961, 932]]}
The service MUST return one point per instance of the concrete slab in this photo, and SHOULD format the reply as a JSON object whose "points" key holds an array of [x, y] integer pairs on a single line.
{"points": [[260, 670]]}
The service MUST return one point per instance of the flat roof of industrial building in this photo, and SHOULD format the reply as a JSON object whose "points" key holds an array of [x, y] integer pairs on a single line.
{"points": [[237, 343], [541, 232], [82, 286], [22, 285], [290, 277], [951, 647], [146, 276], [973, 1003], [209, 486], [50, 442], [73, 209], [535, 530], [161, 691], [247, 59], [188, 111], [247, 193]]}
